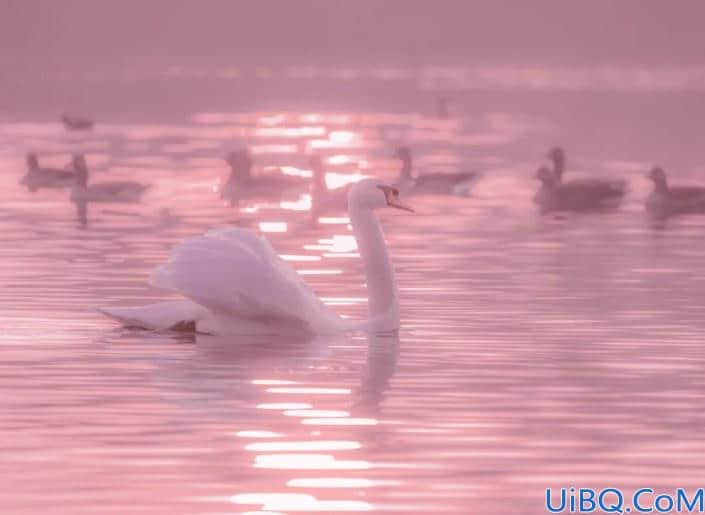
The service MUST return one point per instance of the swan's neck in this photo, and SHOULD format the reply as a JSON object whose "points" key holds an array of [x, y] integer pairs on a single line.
{"points": [[405, 168], [383, 298]]}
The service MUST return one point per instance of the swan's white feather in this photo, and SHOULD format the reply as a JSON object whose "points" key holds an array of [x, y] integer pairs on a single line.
{"points": [[237, 276], [159, 316]]}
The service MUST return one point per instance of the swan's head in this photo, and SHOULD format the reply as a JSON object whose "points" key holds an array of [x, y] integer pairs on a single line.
{"points": [[658, 176], [403, 153], [373, 194], [546, 176], [556, 154]]}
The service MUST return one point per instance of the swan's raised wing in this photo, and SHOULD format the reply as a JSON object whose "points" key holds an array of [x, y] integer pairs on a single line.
{"points": [[237, 275]]}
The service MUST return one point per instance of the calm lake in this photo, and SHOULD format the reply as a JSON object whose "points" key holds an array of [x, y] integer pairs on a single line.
{"points": [[534, 351]]}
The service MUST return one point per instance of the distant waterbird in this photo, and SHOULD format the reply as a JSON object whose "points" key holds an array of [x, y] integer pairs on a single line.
{"points": [[77, 123], [457, 183], [108, 191], [323, 199], [575, 195], [558, 160], [38, 177], [242, 184], [666, 200]]}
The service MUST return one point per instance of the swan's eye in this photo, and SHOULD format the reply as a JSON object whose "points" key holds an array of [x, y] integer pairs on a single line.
{"points": [[390, 194]]}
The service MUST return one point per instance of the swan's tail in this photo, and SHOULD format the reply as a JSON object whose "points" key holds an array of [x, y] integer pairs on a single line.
{"points": [[178, 314]]}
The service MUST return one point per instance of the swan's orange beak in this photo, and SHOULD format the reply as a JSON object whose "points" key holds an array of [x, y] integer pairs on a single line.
{"points": [[392, 196]]}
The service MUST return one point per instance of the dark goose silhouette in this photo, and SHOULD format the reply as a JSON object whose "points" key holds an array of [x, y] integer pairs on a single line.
{"points": [[430, 183], [666, 200], [575, 196], [76, 123], [38, 177]]}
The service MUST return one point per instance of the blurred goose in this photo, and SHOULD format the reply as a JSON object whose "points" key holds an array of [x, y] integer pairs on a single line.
{"points": [[557, 157], [431, 183], [38, 177], [113, 191], [75, 123], [241, 182], [323, 199], [575, 196], [668, 200]]}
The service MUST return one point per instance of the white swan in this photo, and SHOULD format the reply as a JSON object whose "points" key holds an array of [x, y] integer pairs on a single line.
{"points": [[111, 191], [38, 177], [234, 282], [458, 183]]}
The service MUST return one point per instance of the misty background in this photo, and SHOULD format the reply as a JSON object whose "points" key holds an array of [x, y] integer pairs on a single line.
{"points": [[71, 34], [596, 71]]}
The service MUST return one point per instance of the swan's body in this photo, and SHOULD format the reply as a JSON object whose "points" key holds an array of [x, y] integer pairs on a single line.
{"points": [[458, 183], [667, 200], [234, 282], [38, 177], [242, 184], [586, 186], [111, 191], [325, 200], [75, 123], [575, 196]]}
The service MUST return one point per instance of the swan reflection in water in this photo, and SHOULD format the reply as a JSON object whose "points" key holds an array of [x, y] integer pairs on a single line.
{"points": [[382, 357], [268, 354], [237, 367], [316, 430]]}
